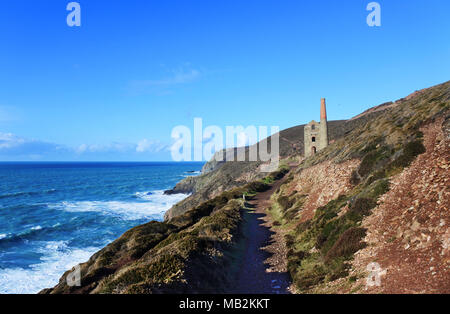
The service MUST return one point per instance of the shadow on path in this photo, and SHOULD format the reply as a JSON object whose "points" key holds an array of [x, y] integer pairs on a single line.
{"points": [[252, 276]]}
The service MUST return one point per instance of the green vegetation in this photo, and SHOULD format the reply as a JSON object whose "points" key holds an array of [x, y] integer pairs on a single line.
{"points": [[319, 249], [410, 152], [348, 243], [193, 252], [289, 206], [371, 159]]}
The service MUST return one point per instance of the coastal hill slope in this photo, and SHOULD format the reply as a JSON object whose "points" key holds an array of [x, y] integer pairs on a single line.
{"points": [[370, 213], [217, 177], [377, 196]]}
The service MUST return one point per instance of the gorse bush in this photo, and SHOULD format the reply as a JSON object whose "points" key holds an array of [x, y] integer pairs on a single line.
{"points": [[377, 163], [406, 156], [359, 208], [367, 164], [410, 152], [285, 202], [348, 243], [373, 159], [354, 178]]}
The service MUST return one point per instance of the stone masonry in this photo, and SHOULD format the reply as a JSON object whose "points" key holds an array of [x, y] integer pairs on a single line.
{"points": [[316, 133]]}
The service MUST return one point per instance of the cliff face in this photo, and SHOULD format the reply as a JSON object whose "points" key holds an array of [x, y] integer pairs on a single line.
{"points": [[378, 193]]}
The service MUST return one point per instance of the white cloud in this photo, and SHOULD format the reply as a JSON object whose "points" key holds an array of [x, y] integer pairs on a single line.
{"points": [[17, 148], [176, 77], [102, 148], [143, 146], [146, 145], [9, 140], [11, 144], [82, 148]]}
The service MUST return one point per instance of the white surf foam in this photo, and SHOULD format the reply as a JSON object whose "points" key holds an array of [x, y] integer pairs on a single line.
{"points": [[56, 260], [154, 207], [191, 174], [158, 197]]}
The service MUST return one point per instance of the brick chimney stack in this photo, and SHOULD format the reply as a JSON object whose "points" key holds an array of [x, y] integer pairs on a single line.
{"points": [[323, 109], [323, 137]]}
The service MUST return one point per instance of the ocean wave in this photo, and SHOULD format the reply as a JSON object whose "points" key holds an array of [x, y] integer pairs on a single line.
{"points": [[154, 207], [28, 261], [194, 172], [158, 197], [26, 234], [26, 193], [15, 194], [190, 174], [57, 258]]}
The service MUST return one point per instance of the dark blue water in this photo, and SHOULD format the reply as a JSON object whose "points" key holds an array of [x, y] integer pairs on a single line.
{"points": [[56, 215]]}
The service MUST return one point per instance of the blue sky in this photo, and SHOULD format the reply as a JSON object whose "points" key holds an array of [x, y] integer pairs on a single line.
{"points": [[114, 88]]}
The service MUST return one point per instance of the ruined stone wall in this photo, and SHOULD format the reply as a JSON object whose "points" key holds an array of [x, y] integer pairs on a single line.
{"points": [[312, 138], [316, 134]]}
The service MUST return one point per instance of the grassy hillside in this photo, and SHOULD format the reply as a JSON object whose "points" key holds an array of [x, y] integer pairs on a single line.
{"points": [[191, 253], [322, 239], [226, 175], [321, 208]]}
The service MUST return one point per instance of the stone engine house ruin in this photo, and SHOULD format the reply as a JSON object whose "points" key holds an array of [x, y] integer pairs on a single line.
{"points": [[316, 133]]}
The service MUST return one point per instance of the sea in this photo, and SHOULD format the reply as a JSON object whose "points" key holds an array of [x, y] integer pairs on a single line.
{"points": [[54, 216]]}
